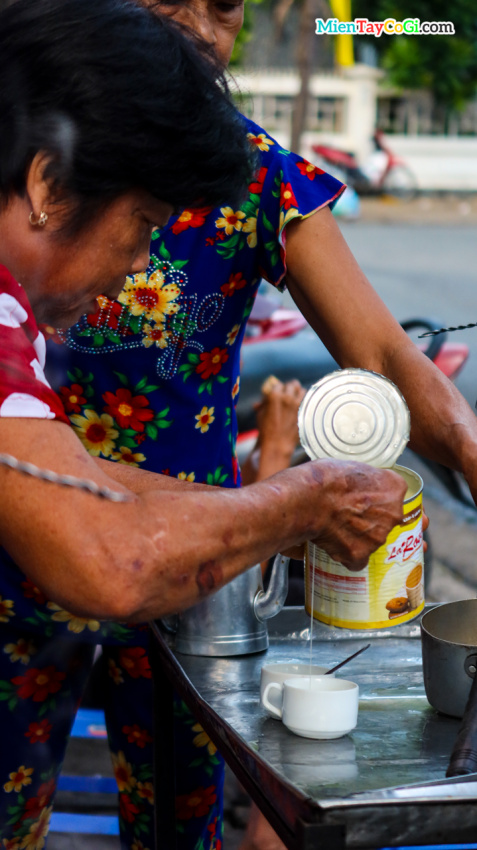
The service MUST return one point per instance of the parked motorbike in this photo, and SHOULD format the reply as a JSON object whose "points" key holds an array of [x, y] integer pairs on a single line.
{"points": [[384, 173]]}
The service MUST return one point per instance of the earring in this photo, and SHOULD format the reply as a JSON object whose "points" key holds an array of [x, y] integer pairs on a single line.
{"points": [[41, 220]]}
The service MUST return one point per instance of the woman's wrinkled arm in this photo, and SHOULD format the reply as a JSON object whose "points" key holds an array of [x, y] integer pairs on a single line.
{"points": [[164, 550], [141, 480]]}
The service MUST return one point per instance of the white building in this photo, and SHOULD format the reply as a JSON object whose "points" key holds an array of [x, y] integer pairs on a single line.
{"points": [[344, 109]]}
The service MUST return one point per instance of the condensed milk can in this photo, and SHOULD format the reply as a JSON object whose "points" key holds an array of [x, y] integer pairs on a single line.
{"points": [[355, 414]]}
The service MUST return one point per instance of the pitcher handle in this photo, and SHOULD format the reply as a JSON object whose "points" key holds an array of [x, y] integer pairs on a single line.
{"points": [[270, 602]]}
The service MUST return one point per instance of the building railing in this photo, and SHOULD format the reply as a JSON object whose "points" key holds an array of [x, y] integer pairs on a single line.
{"points": [[415, 115]]}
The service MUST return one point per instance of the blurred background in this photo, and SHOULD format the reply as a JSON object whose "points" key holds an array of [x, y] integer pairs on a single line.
{"points": [[421, 90]]}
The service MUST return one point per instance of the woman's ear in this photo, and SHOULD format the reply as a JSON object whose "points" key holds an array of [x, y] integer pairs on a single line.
{"points": [[38, 189]]}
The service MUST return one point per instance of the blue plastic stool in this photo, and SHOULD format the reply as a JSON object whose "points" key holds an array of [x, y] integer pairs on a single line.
{"points": [[436, 847], [89, 723], [85, 824]]}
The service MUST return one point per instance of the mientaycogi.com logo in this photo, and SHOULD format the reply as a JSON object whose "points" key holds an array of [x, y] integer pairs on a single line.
{"points": [[362, 26]]}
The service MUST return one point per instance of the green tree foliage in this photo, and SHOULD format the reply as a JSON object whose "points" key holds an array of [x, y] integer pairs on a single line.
{"points": [[446, 65]]}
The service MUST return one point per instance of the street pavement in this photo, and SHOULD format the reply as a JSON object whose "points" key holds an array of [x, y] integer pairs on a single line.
{"points": [[443, 209], [421, 258]]}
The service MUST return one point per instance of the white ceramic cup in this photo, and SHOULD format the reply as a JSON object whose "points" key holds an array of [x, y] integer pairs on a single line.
{"points": [[318, 707], [285, 670]]}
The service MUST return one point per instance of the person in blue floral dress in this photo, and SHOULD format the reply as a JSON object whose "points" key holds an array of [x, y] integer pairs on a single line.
{"points": [[153, 379]]}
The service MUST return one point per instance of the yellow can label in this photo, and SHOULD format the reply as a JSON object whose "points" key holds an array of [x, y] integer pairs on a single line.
{"points": [[389, 591]]}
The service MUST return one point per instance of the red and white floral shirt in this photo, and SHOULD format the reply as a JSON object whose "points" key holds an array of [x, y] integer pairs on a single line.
{"points": [[24, 390]]}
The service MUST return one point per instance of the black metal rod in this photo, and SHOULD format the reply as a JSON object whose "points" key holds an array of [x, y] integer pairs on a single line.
{"points": [[464, 755], [443, 330]]}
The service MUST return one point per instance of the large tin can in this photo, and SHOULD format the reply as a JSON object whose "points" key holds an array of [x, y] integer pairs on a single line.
{"points": [[390, 589], [354, 414]]}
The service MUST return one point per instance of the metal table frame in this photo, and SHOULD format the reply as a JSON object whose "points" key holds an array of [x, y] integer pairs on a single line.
{"points": [[246, 765], [300, 822]]}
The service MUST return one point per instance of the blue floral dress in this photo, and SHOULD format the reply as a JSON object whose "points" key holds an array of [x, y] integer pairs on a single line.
{"points": [[151, 380], [155, 375]]}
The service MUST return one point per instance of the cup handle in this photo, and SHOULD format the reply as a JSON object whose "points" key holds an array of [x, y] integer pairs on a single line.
{"points": [[277, 712]]}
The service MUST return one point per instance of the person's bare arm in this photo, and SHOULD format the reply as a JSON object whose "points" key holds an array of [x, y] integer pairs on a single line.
{"points": [[333, 293], [277, 420], [140, 480], [164, 550]]}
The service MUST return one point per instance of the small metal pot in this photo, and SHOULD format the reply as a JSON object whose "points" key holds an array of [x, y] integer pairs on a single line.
{"points": [[449, 659]]}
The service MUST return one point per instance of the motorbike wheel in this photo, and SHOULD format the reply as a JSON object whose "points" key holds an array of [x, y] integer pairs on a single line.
{"points": [[400, 183]]}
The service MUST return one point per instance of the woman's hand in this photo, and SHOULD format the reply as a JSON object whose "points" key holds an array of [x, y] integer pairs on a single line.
{"points": [[358, 508]]}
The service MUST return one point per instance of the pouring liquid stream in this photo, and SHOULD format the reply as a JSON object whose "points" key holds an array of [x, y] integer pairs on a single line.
{"points": [[311, 619], [342, 663]]}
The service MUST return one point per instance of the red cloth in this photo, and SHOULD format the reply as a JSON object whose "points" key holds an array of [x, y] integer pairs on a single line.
{"points": [[24, 390]]}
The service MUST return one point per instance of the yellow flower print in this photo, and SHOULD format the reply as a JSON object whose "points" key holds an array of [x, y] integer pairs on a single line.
{"points": [[75, 624], [203, 740], [286, 217], [22, 650], [125, 455], [38, 831], [186, 216], [261, 141], [146, 791], [95, 432], [115, 672], [150, 297], [232, 335], [231, 220], [18, 779], [155, 336], [183, 475], [236, 388], [138, 845], [123, 772], [250, 227], [205, 419], [11, 843], [6, 606]]}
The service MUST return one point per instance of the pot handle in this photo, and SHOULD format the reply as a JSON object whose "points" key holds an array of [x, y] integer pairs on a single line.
{"points": [[464, 754]]}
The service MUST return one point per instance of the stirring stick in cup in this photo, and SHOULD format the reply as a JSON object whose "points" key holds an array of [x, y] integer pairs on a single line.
{"points": [[350, 657]]}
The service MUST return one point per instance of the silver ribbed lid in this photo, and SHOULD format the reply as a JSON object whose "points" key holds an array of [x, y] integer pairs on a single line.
{"points": [[354, 414]]}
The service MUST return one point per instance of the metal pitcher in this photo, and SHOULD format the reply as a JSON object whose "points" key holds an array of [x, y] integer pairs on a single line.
{"points": [[233, 620]]}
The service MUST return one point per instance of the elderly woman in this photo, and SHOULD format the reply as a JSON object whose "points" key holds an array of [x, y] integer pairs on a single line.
{"points": [[109, 120]]}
